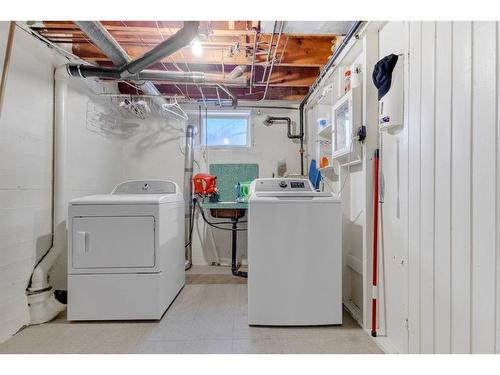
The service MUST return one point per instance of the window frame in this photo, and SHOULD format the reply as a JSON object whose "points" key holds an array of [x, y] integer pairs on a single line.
{"points": [[227, 114]]}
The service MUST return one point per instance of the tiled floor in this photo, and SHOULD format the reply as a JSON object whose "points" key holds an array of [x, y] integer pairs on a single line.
{"points": [[204, 318]]}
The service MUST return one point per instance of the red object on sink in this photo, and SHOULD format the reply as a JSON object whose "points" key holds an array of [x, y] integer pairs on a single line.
{"points": [[205, 184]]}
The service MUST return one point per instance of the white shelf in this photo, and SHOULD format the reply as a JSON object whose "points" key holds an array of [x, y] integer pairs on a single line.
{"points": [[328, 168], [326, 132]]}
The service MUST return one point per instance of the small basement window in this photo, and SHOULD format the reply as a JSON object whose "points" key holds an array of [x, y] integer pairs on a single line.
{"points": [[226, 129]]}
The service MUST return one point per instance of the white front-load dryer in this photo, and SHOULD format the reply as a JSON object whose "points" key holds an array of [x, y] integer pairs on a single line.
{"points": [[126, 252], [294, 254]]}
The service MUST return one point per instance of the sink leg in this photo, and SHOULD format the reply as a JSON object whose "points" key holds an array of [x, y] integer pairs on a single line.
{"points": [[234, 265]]}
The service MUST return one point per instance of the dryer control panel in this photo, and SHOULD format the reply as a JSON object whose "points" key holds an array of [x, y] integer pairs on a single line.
{"points": [[145, 187]]}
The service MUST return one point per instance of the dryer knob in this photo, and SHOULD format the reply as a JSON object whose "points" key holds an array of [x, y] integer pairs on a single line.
{"points": [[283, 184]]}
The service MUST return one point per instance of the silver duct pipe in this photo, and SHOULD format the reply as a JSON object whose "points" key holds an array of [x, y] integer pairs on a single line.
{"points": [[104, 41], [177, 41], [114, 51], [125, 67], [188, 193], [198, 78], [193, 78]]}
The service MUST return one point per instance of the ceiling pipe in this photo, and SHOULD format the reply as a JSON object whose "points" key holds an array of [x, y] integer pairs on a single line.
{"points": [[352, 31], [133, 70], [271, 120], [114, 51], [180, 39], [194, 78], [237, 72], [282, 24], [234, 99]]}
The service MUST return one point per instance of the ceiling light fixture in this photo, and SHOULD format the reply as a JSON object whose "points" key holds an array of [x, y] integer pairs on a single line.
{"points": [[196, 48]]}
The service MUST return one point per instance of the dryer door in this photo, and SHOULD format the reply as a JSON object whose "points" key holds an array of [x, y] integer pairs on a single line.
{"points": [[113, 242]]}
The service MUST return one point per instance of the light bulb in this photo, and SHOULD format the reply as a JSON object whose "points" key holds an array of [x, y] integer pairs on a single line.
{"points": [[226, 141], [196, 48]]}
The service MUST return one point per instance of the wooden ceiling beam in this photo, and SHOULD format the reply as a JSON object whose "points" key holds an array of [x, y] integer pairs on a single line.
{"points": [[298, 52], [167, 31]]}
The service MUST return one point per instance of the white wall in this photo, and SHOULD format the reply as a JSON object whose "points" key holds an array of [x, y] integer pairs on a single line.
{"points": [[442, 171], [94, 159], [25, 172], [26, 132], [156, 152]]}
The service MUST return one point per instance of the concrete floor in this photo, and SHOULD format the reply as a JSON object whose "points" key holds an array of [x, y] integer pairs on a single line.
{"points": [[204, 318]]}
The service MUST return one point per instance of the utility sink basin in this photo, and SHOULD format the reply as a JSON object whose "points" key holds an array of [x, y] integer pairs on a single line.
{"points": [[228, 213]]}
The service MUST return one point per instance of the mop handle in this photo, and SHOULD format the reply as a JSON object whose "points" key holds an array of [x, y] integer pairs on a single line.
{"points": [[375, 242]]}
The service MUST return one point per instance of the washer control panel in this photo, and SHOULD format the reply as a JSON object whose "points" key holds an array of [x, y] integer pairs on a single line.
{"points": [[282, 184]]}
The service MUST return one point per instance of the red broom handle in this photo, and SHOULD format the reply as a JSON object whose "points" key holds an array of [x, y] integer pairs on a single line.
{"points": [[375, 242]]}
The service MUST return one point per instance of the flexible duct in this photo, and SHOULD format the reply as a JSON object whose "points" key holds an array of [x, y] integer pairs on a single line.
{"points": [[188, 193]]}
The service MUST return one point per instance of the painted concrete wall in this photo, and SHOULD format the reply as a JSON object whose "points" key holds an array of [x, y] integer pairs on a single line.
{"points": [[26, 140], [156, 151], [25, 172]]}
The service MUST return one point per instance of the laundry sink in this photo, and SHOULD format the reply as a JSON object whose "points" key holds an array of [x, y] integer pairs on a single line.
{"points": [[227, 209], [228, 213]]}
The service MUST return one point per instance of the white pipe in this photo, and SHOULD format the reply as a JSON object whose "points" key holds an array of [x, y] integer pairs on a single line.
{"points": [[39, 278]]}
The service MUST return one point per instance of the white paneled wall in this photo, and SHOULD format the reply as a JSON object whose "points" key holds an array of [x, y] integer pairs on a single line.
{"points": [[451, 141]]}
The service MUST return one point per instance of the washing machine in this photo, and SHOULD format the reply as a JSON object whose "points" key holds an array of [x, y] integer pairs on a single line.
{"points": [[294, 254], [126, 252]]}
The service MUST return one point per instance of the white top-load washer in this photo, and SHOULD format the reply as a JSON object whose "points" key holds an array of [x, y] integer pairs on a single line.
{"points": [[126, 252], [294, 254]]}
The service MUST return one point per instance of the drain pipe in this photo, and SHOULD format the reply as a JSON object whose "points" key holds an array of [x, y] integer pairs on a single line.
{"points": [[188, 194], [352, 31], [270, 120], [43, 305]]}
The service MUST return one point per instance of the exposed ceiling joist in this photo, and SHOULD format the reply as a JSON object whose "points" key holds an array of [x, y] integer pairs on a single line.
{"points": [[226, 44]]}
